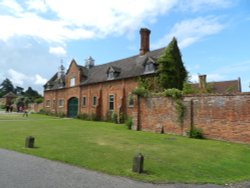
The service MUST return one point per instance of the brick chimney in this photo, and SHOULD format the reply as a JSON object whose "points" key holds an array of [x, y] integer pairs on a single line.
{"points": [[144, 32], [202, 81]]}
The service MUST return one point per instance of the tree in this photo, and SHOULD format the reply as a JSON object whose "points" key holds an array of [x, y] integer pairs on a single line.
{"points": [[6, 87], [32, 94], [171, 70], [19, 90]]}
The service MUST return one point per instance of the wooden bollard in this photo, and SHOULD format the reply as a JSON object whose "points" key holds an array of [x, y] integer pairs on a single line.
{"points": [[29, 142], [138, 163]]}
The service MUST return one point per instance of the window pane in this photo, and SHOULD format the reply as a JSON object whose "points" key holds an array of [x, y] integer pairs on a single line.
{"points": [[83, 101], [111, 102], [72, 82]]}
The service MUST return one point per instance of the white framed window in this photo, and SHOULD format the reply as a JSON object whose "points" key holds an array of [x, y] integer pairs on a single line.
{"points": [[54, 104], [94, 101], [84, 101], [149, 67], [61, 102], [47, 103], [111, 102], [72, 81], [111, 75], [131, 100]]}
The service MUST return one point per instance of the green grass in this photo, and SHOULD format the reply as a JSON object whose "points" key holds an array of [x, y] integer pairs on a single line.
{"points": [[110, 148]]}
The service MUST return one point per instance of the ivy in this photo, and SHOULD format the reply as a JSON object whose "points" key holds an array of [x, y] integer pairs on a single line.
{"points": [[176, 95]]}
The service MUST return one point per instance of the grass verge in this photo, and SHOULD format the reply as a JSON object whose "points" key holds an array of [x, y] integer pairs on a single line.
{"points": [[110, 148]]}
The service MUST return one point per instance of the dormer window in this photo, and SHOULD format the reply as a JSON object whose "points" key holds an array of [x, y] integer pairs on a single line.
{"points": [[113, 72], [111, 75], [149, 67]]}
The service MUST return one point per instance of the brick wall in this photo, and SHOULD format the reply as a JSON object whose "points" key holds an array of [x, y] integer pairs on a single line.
{"points": [[119, 88], [223, 117]]}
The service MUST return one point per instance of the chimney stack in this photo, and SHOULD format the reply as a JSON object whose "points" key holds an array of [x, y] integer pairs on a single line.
{"points": [[202, 81], [144, 32]]}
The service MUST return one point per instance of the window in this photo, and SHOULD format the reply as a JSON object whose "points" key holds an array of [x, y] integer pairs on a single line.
{"points": [[111, 103], [130, 100], [94, 101], [84, 101], [54, 104], [61, 103], [72, 82], [47, 104], [111, 75], [149, 67]]}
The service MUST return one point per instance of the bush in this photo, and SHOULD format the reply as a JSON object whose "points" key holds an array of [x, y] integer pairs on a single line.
{"points": [[60, 114], [129, 123], [195, 133], [88, 117], [38, 100], [122, 117], [173, 93], [140, 91], [83, 116]]}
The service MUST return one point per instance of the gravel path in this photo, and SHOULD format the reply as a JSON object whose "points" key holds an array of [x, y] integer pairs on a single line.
{"points": [[25, 171]]}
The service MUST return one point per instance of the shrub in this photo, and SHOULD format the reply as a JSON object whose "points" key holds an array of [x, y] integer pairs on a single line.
{"points": [[195, 133], [83, 116], [129, 123], [114, 117], [60, 114], [173, 93], [122, 117], [140, 91], [88, 117]]}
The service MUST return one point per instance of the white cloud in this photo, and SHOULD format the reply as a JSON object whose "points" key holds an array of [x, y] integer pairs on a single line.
{"points": [[190, 31], [11, 5], [39, 80], [21, 79], [17, 78], [37, 5], [81, 19], [77, 19], [59, 51]]}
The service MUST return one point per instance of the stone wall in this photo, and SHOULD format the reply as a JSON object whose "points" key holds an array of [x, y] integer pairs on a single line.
{"points": [[223, 117]]}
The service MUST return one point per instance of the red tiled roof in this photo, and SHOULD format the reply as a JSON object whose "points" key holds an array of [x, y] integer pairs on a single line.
{"points": [[231, 86]]}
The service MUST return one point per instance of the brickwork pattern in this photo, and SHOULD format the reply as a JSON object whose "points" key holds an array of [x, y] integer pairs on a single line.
{"points": [[222, 117]]}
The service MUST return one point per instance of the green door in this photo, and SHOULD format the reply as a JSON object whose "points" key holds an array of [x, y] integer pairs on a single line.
{"points": [[72, 107]]}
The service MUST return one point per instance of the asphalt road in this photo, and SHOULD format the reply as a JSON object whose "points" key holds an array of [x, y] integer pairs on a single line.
{"points": [[25, 171]]}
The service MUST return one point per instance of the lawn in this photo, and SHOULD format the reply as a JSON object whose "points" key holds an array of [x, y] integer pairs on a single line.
{"points": [[110, 148]]}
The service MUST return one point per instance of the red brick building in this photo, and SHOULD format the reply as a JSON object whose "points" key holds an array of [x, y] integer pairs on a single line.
{"points": [[100, 89]]}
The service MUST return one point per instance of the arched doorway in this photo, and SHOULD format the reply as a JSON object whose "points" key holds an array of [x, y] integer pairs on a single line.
{"points": [[72, 107]]}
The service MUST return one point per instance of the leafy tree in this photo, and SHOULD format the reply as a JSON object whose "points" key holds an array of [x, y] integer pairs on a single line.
{"points": [[171, 70], [31, 93], [6, 87], [19, 90]]}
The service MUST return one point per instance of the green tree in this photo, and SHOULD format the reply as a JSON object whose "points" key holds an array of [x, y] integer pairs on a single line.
{"points": [[171, 70], [31, 93], [6, 87], [19, 90]]}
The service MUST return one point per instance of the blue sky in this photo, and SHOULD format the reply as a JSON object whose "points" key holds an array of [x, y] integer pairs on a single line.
{"points": [[36, 35]]}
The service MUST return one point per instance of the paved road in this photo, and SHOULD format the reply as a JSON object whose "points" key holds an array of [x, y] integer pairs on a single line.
{"points": [[26, 171]]}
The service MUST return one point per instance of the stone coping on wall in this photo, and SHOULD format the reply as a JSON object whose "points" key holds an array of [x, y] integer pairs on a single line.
{"points": [[216, 94]]}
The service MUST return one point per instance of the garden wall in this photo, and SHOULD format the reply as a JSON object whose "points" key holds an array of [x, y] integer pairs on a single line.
{"points": [[222, 117]]}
